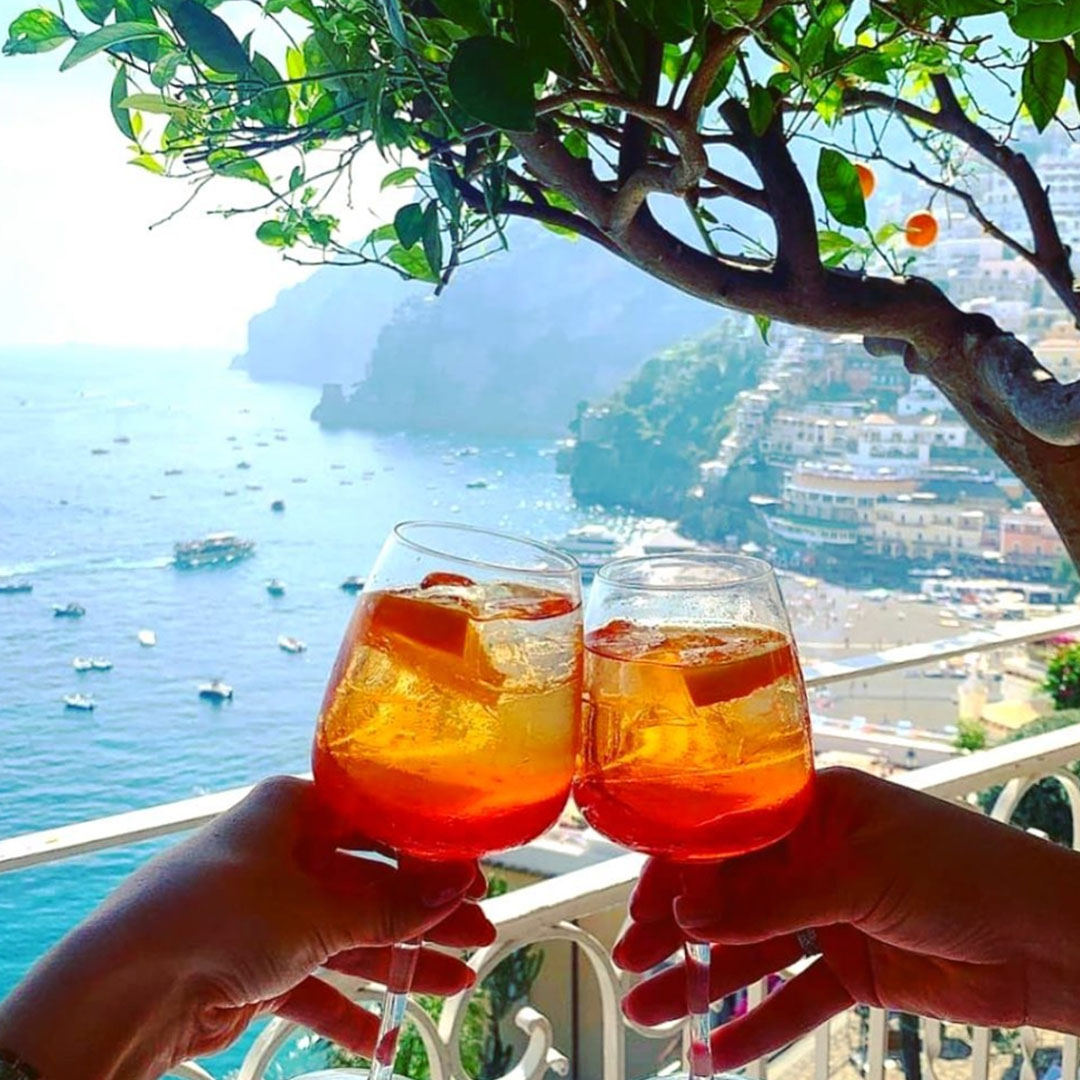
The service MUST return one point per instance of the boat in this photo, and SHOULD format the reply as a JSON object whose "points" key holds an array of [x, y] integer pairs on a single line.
{"points": [[98, 663], [9, 588], [281, 438], [467, 451], [337, 465], [147, 638], [216, 690], [278, 505], [156, 496], [216, 549], [68, 611], [261, 443], [99, 451], [275, 587], [352, 584], [591, 545], [122, 439], [253, 487], [229, 492], [174, 472], [243, 464], [478, 483], [299, 479], [79, 701], [290, 644]]}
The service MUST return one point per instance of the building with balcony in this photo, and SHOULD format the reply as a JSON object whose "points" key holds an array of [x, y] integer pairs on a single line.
{"points": [[1029, 539], [921, 528], [905, 445], [812, 433]]}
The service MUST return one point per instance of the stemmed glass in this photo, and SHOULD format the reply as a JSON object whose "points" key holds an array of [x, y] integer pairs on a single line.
{"points": [[448, 727], [696, 730]]}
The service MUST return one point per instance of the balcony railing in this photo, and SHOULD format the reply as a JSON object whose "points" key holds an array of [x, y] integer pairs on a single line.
{"points": [[583, 907]]}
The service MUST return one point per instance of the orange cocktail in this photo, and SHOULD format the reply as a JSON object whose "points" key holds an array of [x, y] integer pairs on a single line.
{"points": [[448, 726], [696, 741]]}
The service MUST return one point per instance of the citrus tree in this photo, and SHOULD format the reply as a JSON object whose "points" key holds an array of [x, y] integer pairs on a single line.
{"points": [[723, 146]]}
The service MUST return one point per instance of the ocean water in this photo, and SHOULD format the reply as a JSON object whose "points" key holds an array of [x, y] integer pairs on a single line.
{"points": [[84, 528]]}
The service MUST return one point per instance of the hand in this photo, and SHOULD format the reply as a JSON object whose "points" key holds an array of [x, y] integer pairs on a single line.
{"points": [[230, 925], [918, 905]]}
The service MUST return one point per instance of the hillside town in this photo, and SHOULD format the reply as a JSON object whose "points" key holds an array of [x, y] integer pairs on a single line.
{"points": [[864, 471]]}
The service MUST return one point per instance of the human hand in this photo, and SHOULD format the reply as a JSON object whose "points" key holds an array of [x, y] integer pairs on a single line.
{"points": [[230, 925], [917, 905]]}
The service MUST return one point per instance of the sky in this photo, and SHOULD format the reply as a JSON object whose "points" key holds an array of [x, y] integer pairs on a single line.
{"points": [[78, 261]]}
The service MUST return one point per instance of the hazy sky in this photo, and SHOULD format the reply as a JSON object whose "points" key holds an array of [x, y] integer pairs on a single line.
{"points": [[78, 261]]}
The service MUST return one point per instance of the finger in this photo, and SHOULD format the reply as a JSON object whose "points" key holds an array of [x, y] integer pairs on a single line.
{"points": [[366, 902], [643, 945], [465, 927], [659, 884], [663, 997], [439, 882], [797, 1007], [478, 889], [327, 1011], [436, 972]]}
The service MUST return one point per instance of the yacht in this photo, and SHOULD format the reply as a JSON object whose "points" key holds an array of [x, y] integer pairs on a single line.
{"points": [[68, 611], [478, 483], [8, 588], [216, 690], [79, 701], [275, 587], [352, 584], [81, 663], [290, 644], [591, 545], [213, 550], [147, 638], [243, 464]]}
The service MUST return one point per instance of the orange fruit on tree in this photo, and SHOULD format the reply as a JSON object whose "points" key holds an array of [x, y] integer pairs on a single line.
{"points": [[867, 179], [921, 229]]}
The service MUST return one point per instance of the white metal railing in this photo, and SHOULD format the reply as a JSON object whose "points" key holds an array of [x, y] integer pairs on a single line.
{"points": [[553, 910]]}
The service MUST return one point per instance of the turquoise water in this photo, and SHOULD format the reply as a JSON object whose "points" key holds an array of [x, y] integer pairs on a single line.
{"points": [[83, 528]]}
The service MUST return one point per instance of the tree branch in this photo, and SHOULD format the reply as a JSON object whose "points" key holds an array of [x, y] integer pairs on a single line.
{"points": [[589, 42], [790, 205]]}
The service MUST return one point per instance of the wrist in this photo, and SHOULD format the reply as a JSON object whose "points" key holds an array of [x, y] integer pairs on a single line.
{"points": [[97, 1007]]}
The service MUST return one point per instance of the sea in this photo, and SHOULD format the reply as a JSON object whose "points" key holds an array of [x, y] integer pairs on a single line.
{"points": [[186, 446]]}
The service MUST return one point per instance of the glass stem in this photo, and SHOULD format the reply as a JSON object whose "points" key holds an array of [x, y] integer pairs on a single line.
{"points": [[403, 959], [697, 1000]]}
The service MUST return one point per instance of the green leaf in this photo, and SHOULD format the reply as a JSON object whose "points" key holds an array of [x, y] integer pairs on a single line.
{"points": [[413, 262], [887, 232], [139, 11], [1042, 84], [396, 22], [97, 11], [296, 177], [209, 37], [36, 31], [780, 34], [468, 14], [399, 177], [155, 103], [723, 77], [272, 105], [577, 143], [489, 78], [838, 183], [763, 324], [272, 233], [295, 66], [148, 162], [830, 242], [106, 38], [1045, 21], [542, 32], [442, 182], [236, 164], [432, 239], [409, 224], [165, 68], [760, 107], [118, 93]]}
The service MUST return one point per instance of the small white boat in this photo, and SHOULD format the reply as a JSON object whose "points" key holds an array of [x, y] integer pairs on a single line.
{"points": [[216, 690], [147, 638], [68, 611], [82, 663], [291, 644], [79, 701], [275, 587], [99, 663]]}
